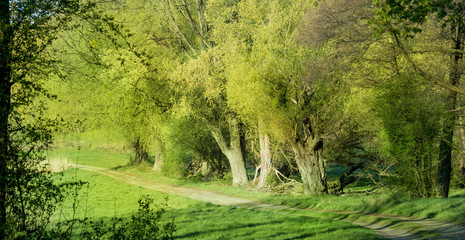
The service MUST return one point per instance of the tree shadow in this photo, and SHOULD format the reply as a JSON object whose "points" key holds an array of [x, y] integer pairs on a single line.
{"points": [[215, 222]]}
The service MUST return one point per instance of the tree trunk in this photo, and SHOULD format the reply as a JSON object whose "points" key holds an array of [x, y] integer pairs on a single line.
{"points": [[5, 107], [265, 157], [445, 149], [159, 159], [234, 155], [233, 152], [462, 170], [237, 165], [445, 145], [461, 155], [311, 168], [141, 154]]}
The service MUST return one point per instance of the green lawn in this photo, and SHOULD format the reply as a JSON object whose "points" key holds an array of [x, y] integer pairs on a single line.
{"points": [[451, 209], [105, 159], [104, 198]]}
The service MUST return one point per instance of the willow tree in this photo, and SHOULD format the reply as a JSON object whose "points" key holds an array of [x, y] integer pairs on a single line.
{"points": [[204, 98], [268, 79], [235, 39], [116, 78], [198, 81]]}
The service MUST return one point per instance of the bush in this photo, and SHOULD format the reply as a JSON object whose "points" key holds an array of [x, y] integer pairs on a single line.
{"points": [[411, 126], [145, 224]]}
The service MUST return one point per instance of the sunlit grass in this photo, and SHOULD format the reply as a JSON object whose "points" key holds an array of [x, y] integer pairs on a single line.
{"points": [[451, 209], [98, 158], [104, 197]]}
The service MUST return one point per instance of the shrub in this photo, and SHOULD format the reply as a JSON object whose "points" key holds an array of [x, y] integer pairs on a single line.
{"points": [[145, 224]]}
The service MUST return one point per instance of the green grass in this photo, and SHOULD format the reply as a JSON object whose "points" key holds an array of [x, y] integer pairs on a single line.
{"points": [[104, 197], [214, 222], [92, 157], [451, 209]]}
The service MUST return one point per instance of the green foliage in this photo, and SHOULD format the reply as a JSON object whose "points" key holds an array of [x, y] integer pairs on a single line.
{"points": [[296, 66], [411, 123], [407, 16], [28, 196], [265, 65]]}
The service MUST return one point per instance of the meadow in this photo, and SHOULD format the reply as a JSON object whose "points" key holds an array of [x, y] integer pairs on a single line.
{"points": [[103, 198]]}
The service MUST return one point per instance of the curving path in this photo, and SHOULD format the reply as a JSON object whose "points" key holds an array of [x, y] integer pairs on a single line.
{"points": [[445, 230]]}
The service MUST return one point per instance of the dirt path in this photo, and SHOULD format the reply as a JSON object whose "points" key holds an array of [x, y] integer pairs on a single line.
{"points": [[445, 230]]}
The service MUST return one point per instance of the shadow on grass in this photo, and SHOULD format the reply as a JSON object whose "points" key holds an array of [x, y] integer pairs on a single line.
{"points": [[205, 221], [458, 196], [213, 222], [120, 167]]}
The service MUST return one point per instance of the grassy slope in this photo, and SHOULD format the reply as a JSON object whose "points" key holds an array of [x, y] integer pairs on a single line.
{"points": [[104, 197], [451, 209]]}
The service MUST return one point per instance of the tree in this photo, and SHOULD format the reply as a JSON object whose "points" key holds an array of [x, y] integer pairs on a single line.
{"points": [[27, 28], [338, 33], [206, 101], [269, 67], [408, 18], [116, 76], [199, 80], [245, 96]]}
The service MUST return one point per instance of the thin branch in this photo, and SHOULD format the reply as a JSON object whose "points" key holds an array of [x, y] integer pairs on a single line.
{"points": [[425, 75]]}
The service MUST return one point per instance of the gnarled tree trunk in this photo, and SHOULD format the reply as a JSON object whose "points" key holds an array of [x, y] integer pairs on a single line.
{"points": [[159, 159], [311, 167], [265, 157], [232, 151], [237, 165]]}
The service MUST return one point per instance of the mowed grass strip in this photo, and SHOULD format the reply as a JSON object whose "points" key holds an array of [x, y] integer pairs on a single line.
{"points": [[104, 198]]}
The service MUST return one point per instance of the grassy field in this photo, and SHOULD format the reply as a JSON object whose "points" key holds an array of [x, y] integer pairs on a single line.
{"points": [[192, 216], [103, 198], [451, 209], [96, 158]]}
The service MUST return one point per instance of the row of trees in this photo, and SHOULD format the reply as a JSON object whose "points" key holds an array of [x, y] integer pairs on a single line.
{"points": [[285, 87], [221, 85], [213, 87]]}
